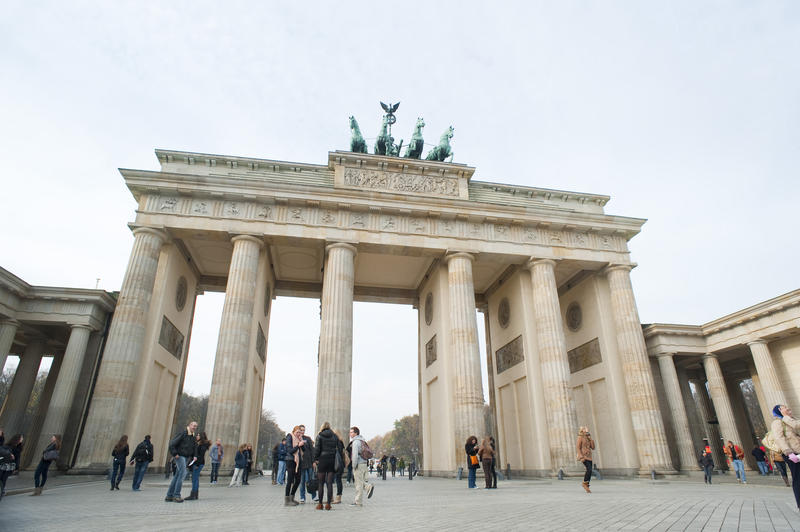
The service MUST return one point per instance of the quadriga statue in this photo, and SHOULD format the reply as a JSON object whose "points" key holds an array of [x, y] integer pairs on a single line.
{"points": [[357, 142], [442, 150], [414, 149]]}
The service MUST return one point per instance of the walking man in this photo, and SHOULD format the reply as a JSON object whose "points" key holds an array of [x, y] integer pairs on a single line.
{"points": [[142, 455], [735, 454], [360, 454], [181, 447], [393, 463]]}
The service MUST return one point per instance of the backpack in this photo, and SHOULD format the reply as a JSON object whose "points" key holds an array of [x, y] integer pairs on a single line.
{"points": [[365, 452]]}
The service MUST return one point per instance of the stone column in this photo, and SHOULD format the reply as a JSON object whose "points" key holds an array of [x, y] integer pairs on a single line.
{"points": [[680, 420], [35, 429], [562, 421], [335, 373], [719, 396], [111, 399], [21, 387], [8, 329], [647, 422], [712, 431], [55, 421], [226, 400], [770, 384], [464, 350]]}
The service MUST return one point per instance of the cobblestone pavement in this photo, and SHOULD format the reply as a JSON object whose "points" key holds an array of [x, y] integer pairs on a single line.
{"points": [[421, 504]]}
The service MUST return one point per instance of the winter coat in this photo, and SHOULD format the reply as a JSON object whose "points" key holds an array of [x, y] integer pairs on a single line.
{"points": [[217, 451], [282, 455], [307, 456], [240, 460], [120, 455], [325, 451], [706, 460], [585, 446], [486, 452], [183, 444], [200, 453], [51, 447], [760, 455], [786, 432], [471, 450], [143, 452], [736, 450]]}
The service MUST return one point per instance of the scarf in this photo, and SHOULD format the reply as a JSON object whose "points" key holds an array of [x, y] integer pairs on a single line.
{"points": [[296, 443]]}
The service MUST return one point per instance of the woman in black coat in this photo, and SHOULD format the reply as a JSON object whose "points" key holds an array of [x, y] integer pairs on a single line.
{"points": [[49, 455], [325, 450]]}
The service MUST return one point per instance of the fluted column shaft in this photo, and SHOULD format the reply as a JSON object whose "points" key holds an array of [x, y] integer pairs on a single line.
{"points": [[647, 422], [63, 394], [770, 384], [8, 329], [335, 374], [119, 368], [680, 421], [464, 349], [21, 387], [226, 399], [35, 429], [562, 422], [712, 431], [720, 398]]}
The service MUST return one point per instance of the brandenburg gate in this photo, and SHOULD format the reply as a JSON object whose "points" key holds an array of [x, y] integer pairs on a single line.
{"points": [[548, 269]]}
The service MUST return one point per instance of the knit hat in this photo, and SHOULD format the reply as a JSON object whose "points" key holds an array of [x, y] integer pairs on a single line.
{"points": [[777, 411]]}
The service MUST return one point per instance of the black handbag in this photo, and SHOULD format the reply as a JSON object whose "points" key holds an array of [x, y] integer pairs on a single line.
{"points": [[338, 463], [312, 484]]}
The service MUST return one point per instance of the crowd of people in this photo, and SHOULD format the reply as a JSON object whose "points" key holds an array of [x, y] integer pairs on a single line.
{"points": [[313, 466]]}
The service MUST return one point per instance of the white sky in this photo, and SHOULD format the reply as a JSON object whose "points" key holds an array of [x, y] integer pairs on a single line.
{"points": [[685, 113]]}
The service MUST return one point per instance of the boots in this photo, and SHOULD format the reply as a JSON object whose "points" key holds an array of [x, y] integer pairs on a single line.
{"points": [[289, 501], [319, 506], [36, 491], [337, 499], [192, 496], [327, 506], [586, 487]]}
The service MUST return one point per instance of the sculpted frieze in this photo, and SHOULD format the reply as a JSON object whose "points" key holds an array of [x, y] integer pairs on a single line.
{"points": [[375, 220], [399, 182]]}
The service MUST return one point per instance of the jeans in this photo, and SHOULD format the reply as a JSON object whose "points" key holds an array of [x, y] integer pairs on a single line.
{"points": [[116, 478], [138, 474], [337, 478], [739, 467], [41, 472], [781, 468], [214, 471], [281, 472], [471, 477], [180, 474], [708, 471], [305, 476], [587, 476], [795, 469], [762, 467], [196, 476]]}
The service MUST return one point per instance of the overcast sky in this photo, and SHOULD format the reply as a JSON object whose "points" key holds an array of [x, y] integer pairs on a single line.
{"points": [[685, 113]]}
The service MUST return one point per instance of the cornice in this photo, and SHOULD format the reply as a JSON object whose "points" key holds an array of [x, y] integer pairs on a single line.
{"points": [[754, 312], [13, 283]]}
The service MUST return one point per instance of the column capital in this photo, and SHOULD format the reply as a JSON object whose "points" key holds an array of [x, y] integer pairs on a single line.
{"points": [[10, 321], [251, 238], [534, 261], [161, 234], [458, 254], [664, 355], [617, 267], [74, 326], [708, 356], [760, 341], [341, 245]]}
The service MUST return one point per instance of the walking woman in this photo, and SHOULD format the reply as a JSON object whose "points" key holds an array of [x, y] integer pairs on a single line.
{"points": [[585, 447], [786, 431], [49, 455], [780, 463], [707, 463], [120, 453], [240, 464], [15, 444], [471, 448], [199, 462], [486, 452], [295, 447], [326, 449]]}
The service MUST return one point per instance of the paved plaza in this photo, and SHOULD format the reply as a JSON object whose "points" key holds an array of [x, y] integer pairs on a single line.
{"points": [[421, 504]]}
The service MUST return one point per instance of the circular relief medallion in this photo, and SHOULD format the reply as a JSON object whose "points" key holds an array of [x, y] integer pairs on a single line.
{"points": [[574, 317], [267, 301], [504, 312], [429, 308], [180, 293]]}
